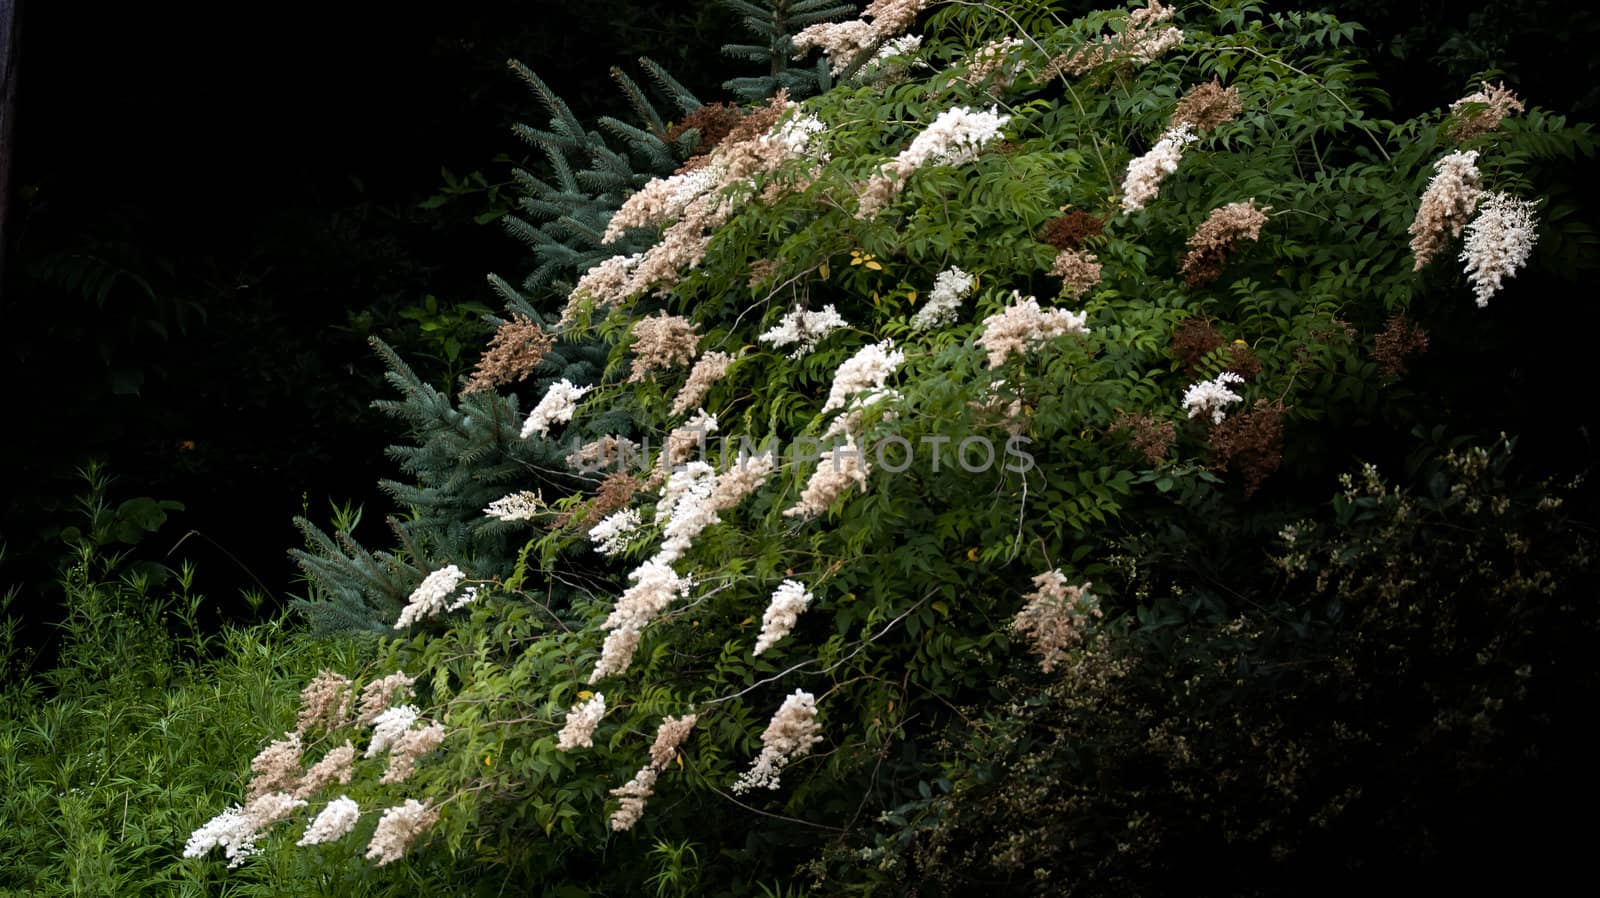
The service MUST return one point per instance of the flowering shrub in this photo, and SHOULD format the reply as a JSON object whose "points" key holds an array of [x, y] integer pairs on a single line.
{"points": [[882, 285]]}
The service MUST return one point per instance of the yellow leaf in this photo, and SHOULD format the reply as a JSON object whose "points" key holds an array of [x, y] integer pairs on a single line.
{"points": [[874, 265], [488, 760], [585, 695], [890, 709], [823, 271], [942, 608], [747, 622], [972, 554], [875, 297], [680, 762], [549, 826], [911, 297]]}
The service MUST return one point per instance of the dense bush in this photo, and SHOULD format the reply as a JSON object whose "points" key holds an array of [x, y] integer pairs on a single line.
{"points": [[1060, 661]]}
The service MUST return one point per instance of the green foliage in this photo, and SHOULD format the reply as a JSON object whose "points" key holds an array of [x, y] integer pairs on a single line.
{"points": [[1400, 651], [138, 735], [775, 23], [447, 331]]}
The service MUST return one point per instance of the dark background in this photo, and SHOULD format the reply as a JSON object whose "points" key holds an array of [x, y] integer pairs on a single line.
{"points": [[213, 207]]}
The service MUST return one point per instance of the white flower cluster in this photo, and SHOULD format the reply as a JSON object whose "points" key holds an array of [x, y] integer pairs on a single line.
{"points": [[655, 586], [956, 137], [334, 822], [1212, 397], [783, 611], [867, 370], [949, 289], [605, 284], [611, 535], [232, 829], [556, 407], [519, 506], [803, 329], [616, 653], [1447, 203], [237, 828], [634, 793], [389, 727], [660, 201], [797, 136], [1022, 326], [582, 719], [397, 829], [849, 424], [1146, 173], [836, 471], [790, 735], [429, 598], [695, 496], [891, 60], [685, 508], [845, 43], [1499, 241], [692, 205], [468, 596]]}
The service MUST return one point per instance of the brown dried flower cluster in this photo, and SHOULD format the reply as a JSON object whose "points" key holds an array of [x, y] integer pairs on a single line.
{"points": [[612, 495], [398, 828], [1447, 205], [336, 766], [1242, 360], [712, 367], [1217, 237], [1481, 112], [606, 452], [669, 736], [1079, 271], [762, 271], [758, 122], [1207, 106], [1399, 339], [517, 347], [324, 703], [661, 342], [1193, 339], [1069, 231], [1251, 443], [277, 767], [1152, 437], [714, 121], [1056, 617], [378, 695]]}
